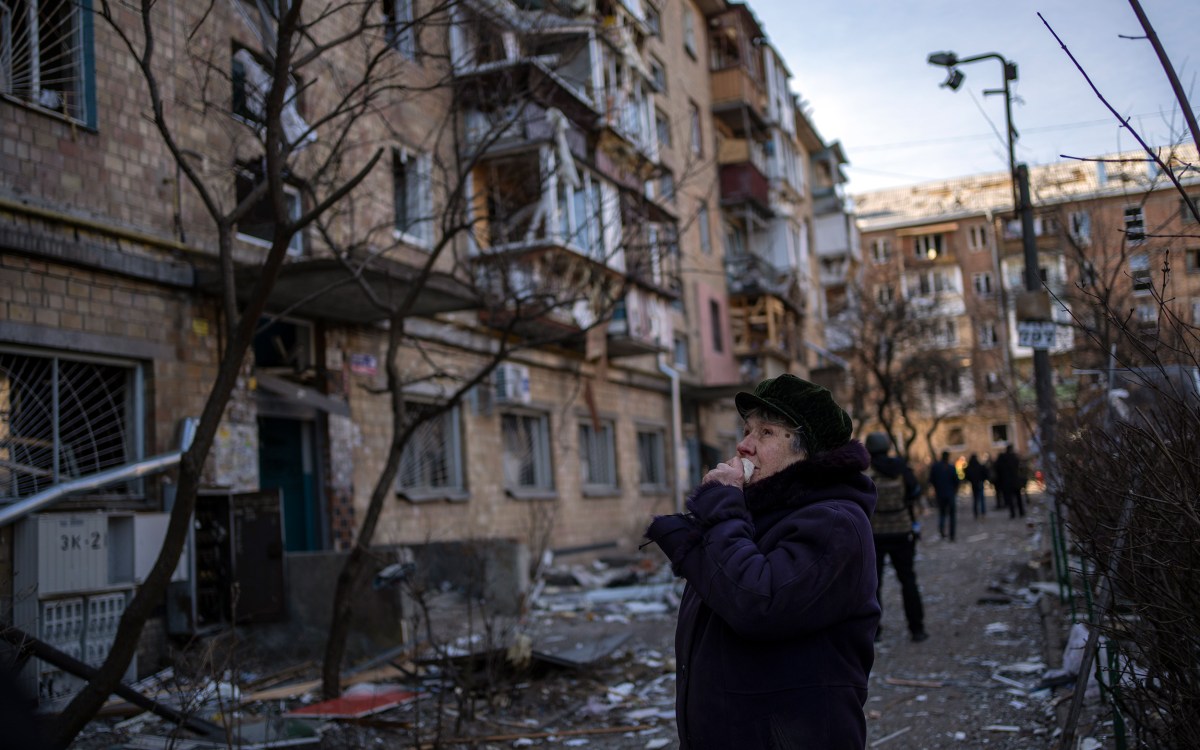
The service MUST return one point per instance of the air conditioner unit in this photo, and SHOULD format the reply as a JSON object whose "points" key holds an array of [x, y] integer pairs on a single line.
{"points": [[511, 384]]}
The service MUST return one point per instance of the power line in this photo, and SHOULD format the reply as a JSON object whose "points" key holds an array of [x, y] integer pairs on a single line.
{"points": [[982, 136]]}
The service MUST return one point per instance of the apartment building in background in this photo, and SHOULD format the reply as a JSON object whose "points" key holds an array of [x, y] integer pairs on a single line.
{"points": [[1105, 230], [646, 153]]}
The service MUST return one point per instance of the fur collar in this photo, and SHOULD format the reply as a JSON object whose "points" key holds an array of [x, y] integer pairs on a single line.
{"points": [[839, 466]]}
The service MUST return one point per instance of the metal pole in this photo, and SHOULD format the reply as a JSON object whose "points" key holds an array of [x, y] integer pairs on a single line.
{"points": [[1042, 374]]}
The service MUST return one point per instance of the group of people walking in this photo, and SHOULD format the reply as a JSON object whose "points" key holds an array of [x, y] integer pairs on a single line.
{"points": [[1006, 474]]}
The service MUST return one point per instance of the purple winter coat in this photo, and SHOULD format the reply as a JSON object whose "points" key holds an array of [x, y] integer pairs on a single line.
{"points": [[775, 635]]}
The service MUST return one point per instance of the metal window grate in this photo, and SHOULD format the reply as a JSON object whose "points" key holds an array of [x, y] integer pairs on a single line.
{"points": [[41, 54], [61, 419]]}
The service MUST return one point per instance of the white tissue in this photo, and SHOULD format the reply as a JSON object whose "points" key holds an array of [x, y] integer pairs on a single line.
{"points": [[747, 469]]}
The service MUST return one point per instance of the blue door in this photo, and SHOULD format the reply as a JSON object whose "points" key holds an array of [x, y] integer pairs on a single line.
{"points": [[287, 462]]}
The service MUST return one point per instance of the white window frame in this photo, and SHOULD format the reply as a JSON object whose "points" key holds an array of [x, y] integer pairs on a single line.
{"points": [[929, 283], [1135, 225], [528, 470], [982, 283], [400, 31], [1079, 224], [292, 195], [415, 225], [1006, 431], [881, 250], [923, 243], [696, 127], [1140, 274], [583, 233], [437, 441], [704, 227], [977, 237], [689, 32], [598, 457], [65, 84], [988, 338]]}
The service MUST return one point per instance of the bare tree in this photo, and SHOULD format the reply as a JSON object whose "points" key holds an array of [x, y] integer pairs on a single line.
{"points": [[903, 367]]}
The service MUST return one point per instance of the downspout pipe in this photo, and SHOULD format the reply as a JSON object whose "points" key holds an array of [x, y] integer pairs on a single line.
{"points": [[147, 467], [676, 430]]}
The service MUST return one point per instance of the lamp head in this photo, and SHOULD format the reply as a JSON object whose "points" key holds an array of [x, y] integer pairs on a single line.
{"points": [[954, 79], [945, 59]]}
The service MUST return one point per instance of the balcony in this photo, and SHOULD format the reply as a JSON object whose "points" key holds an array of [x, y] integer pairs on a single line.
{"points": [[640, 324], [751, 274], [743, 183], [499, 133], [739, 101], [764, 325]]}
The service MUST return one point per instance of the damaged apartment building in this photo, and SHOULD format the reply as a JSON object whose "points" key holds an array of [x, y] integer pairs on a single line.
{"points": [[580, 227]]}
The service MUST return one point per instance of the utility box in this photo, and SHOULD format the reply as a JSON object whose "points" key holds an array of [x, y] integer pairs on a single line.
{"points": [[73, 575], [236, 566]]}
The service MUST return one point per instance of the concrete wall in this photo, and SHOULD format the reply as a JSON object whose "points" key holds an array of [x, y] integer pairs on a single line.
{"points": [[497, 570]]}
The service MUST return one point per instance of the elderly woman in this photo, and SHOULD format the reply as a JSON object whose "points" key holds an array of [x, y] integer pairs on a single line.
{"points": [[774, 639]]}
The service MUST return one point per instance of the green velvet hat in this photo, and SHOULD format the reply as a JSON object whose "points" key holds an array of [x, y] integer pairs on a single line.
{"points": [[810, 407]]}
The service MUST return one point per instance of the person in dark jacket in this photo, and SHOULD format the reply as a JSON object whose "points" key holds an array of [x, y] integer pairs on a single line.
{"points": [[774, 639], [976, 473], [943, 478], [1008, 481], [896, 530]]}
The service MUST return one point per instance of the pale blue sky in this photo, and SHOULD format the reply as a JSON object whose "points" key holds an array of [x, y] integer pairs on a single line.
{"points": [[861, 66]]}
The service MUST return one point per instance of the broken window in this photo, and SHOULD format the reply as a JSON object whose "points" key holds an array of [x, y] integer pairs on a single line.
{"points": [[46, 58], [526, 454], [251, 82], [257, 226]]}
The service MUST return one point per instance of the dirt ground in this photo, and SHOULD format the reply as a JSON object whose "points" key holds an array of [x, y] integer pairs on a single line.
{"points": [[994, 632]]}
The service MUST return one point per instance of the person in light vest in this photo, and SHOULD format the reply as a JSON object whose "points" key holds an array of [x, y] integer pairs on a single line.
{"points": [[896, 529]]}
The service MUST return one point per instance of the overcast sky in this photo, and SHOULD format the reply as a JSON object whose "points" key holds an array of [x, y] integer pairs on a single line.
{"points": [[861, 67]]}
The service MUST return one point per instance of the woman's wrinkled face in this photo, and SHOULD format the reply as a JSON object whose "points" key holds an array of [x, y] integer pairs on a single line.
{"points": [[769, 446]]}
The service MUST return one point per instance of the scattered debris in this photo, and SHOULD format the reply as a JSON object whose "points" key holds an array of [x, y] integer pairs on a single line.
{"points": [[915, 683], [362, 700], [890, 737]]}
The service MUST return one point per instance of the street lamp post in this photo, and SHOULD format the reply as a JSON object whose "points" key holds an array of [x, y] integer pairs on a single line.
{"points": [[1023, 206]]}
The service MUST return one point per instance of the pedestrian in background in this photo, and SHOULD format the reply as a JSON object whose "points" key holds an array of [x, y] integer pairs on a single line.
{"points": [[1008, 481], [976, 474], [896, 529], [944, 481], [773, 642]]}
